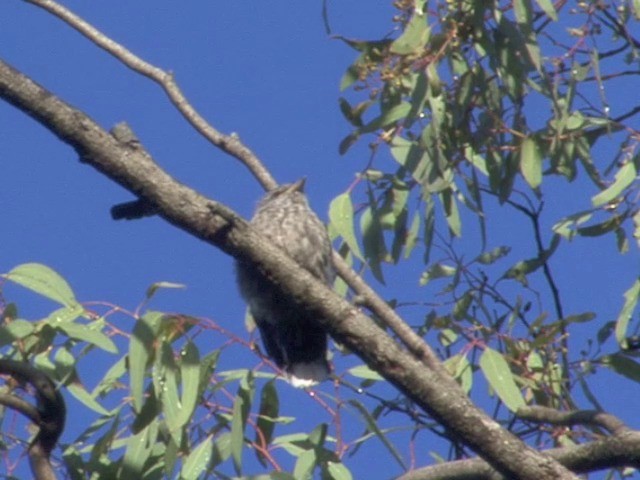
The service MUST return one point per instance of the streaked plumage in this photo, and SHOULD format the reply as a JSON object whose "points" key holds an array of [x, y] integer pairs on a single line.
{"points": [[294, 342]]}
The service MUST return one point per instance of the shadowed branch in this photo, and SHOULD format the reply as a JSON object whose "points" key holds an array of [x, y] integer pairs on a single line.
{"points": [[49, 414]]}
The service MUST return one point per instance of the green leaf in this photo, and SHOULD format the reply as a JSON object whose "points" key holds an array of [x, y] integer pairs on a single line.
{"points": [[375, 249], [198, 460], [237, 433], [363, 371], [305, 465], [567, 227], [151, 410], [548, 8], [624, 177], [531, 162], [524, 17], [623, 365], [354, 114], [610, 224], [451, 212], [15, 330], [630, 301], [414, 37], [460, 369], [141, 351], [429, 228], [347, 142], [64, 315], [438, 270], [412, 235], [579, 318], [461, 307], [241, 407], [158, 285], [418, 96], [80, 393], [523, 268], [221, 448], [267, 418], [342, 222], [139, 448], [476, 160], [372, 425], [111, 379], [87, 333], [487, 258], [387, 117], [190, 376], [165, 383], [338, 471], [318, 435], [497, 372], [43, 280], [351, 75]]}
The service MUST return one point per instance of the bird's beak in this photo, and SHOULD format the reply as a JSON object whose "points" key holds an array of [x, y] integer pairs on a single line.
{"points": [[299, 185]]}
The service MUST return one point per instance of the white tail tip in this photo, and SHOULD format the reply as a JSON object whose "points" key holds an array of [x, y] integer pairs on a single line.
{"points": [[305, 375]]}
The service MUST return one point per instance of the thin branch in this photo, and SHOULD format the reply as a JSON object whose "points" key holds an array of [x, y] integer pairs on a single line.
{"points": [[368, 297], [227, 143], [20, 406]]}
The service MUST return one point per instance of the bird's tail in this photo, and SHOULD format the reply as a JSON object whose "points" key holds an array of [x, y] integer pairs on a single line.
{"points": [[308, 374]]}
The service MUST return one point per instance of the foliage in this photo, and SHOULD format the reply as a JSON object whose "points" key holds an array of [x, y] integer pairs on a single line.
{"points": [[486, 110], [452, 102], [161, 408]]}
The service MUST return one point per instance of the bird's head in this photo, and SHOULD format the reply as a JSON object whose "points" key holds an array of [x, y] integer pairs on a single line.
{"points": [[291, 192]]}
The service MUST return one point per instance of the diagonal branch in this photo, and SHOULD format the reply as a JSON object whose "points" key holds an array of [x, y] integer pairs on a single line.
{"points": [[227, 143], [432, 389], [231, 145]]}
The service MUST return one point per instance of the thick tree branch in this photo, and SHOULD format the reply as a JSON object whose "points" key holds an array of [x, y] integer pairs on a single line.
{"points": [[611, 452], [595, 418], [621, 449], [430, 388]]}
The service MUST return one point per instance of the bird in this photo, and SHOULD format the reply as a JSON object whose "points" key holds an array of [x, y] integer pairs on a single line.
{"points": [[295, 342]]}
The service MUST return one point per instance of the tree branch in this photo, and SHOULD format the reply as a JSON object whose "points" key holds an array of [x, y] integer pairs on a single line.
{"points": [[617, 451], [540, 414], [227, 143], [430, 388], [49, 415]]}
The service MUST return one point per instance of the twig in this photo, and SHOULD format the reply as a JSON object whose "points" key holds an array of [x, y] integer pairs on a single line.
{"points": [[227, 143], [381, 309]]}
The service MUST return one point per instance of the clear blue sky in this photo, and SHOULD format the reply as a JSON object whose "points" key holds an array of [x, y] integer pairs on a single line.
{"points": [[266, 70]]}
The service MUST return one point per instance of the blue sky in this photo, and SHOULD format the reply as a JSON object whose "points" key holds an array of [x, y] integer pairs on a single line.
{"points": [[266, 70]]}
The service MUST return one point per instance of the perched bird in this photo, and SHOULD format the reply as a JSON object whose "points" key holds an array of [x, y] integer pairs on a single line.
{"points": [[294, 342]]}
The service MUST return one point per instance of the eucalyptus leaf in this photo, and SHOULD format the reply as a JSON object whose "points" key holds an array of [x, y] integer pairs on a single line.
{"points": [[497, 372]]}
